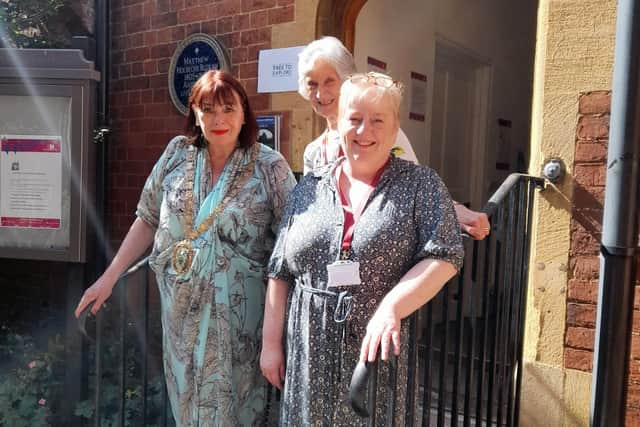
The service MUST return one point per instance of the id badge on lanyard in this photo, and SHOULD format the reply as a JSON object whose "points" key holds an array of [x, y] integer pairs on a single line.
{"points": [[345, 272]]}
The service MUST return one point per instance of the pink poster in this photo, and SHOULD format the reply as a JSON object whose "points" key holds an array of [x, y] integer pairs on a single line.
{"points": [[30, 181]]}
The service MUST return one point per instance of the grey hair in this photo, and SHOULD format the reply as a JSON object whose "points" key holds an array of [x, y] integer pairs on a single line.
{"points": [[357, 85], [328, 49]]}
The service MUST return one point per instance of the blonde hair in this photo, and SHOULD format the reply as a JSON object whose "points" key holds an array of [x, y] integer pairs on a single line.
{"points": [[328, 49], [381, 85]]}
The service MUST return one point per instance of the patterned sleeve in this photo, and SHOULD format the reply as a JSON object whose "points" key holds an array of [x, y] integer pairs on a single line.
{"points": [[148, 208], [438, 230], [280, 183], [277, 268], [312, 156]]}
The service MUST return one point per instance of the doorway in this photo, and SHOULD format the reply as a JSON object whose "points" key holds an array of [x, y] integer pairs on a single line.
{"points": [[459, 121]]}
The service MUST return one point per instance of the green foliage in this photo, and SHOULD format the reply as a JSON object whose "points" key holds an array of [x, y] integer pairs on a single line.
{"points": [[28, 384], [109, 416], [32, 23], [31, 385], [110, 377]]}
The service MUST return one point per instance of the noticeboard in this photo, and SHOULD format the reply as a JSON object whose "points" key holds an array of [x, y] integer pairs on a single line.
{"points": [[195, 55], [47, 155]]}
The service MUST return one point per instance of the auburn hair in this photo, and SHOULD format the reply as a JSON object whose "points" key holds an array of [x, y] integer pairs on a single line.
{"points": [[217, 87]]}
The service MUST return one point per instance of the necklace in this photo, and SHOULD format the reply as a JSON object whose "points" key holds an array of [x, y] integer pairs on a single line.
{"points": [[182, 254]]}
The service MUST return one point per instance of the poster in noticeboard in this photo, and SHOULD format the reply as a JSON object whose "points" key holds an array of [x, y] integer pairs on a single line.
{"points": [[30, 181], [269, 130]]}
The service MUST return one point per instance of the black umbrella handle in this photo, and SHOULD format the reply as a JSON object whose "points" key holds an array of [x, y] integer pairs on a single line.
{"points": [[358, 388]]}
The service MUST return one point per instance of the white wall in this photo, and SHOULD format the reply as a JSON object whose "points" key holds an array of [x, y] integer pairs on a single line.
{"points": [[403, 33]]}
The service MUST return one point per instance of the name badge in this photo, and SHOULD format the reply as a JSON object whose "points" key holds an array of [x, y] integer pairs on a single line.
{"points": [[344, 273]]}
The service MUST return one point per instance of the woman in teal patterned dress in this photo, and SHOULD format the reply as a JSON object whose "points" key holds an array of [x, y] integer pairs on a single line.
{"points": [[210, 207]]}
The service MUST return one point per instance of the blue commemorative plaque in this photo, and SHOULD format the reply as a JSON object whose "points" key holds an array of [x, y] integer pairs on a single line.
{"points": [[195, 55]]}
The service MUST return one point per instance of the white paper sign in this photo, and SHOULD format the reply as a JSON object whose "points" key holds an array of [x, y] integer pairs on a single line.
{"points": [[278, 69], [31, 181]]}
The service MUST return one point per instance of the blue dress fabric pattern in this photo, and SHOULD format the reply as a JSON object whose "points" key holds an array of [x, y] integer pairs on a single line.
{"points": [[408, 217], [212, 313]]}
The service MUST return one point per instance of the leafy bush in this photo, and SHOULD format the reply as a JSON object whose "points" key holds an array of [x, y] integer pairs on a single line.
{"points": [[133, 361], [31, 385], [110, 416], [29, 382], [32, 23]]}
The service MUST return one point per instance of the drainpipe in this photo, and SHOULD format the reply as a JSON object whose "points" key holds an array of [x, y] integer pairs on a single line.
{"points": [[101, 138], [103, 122], [619, 228]]}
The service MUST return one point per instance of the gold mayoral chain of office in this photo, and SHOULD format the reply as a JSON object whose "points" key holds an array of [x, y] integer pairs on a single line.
{"points": [[182, 255]]}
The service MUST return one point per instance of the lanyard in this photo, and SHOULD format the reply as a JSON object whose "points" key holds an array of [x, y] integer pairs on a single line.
{"points": [[351, 215], [324, 149]]}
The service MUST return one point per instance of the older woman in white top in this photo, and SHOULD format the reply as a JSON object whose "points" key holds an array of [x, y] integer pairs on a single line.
{"points": [[322, 67]]}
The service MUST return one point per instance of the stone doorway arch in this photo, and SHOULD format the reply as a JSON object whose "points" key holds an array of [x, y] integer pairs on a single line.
{"points": [[338, 18]]}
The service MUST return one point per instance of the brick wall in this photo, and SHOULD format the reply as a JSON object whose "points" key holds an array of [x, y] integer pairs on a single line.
{"points": [[586, 226], [589, 168], [145, 34]]}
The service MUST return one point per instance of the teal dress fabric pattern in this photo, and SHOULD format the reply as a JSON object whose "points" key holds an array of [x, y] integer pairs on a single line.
{"points": [[212, 313]]}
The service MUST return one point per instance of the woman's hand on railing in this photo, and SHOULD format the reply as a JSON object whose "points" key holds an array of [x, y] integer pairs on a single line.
{"points": [[103, 287], [135, 244], [98, 292], [475, 224]]}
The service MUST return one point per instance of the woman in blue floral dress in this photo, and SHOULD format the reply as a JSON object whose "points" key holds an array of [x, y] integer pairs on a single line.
{"points": [[210, 207]]}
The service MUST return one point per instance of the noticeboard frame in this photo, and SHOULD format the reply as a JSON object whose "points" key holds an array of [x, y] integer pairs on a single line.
{"points": [[81, 155]]}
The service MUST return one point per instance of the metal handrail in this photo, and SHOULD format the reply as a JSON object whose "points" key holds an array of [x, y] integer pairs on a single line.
{"points": [[506, 187], [489, 208], [122, 354], [360, 386], [82, 319], [358, 389]]}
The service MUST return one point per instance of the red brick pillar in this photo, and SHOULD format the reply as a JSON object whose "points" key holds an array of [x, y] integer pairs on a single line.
{"points": [[586, 226], [589, 167]]}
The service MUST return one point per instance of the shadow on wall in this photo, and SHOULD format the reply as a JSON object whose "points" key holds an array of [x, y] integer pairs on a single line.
{"points": [[544, 405], [585, 206]]}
